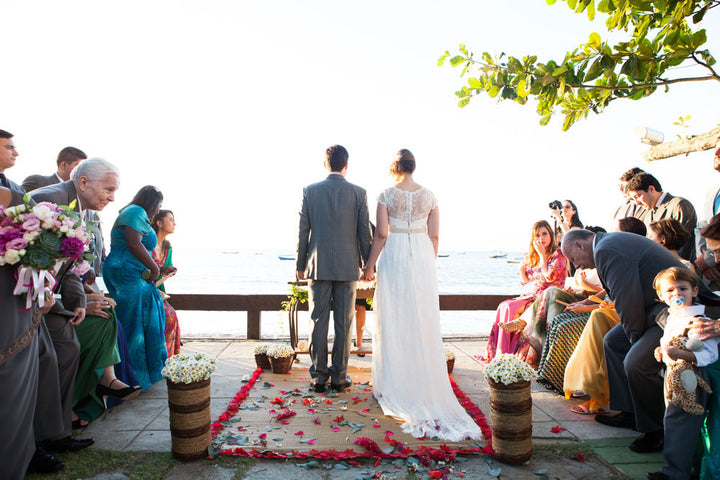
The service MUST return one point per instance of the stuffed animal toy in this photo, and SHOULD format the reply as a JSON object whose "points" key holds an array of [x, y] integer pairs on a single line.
{"points": [[681, 381]]}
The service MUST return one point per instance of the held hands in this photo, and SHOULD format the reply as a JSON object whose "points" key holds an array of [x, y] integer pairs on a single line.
{"points": [[711, 273], [368, 275]]}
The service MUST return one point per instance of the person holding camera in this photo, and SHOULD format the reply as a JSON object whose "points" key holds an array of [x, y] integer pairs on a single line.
{"points": [[566, 217]]}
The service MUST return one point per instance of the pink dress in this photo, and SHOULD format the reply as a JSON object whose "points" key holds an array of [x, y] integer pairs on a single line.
{"points": [[501, 341]]}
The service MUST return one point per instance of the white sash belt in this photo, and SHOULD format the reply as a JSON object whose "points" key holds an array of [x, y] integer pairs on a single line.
{"points": [[409, 231]]}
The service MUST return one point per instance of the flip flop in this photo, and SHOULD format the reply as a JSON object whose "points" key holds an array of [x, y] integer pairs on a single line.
{"points": [[583, 410]]}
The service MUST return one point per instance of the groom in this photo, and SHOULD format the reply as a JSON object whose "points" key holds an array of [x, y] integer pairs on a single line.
{"points": [[333, 244]]}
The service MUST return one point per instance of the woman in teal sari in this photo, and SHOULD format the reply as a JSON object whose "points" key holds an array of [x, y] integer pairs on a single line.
{"points": [[130, 273]]}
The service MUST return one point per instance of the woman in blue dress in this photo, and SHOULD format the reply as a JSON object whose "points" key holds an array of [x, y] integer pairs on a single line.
{"points": [[130, 273]]}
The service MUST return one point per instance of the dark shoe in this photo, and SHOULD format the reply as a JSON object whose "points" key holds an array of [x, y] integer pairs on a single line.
{"points": [[648, 442], [621, 420], [342, 386], [67, 444], [125, 393], [44, 462], [79, 424], [318, 387], [656, 476]]}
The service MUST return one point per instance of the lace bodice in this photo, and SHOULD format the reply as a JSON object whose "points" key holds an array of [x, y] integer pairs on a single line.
{"points": [[408, 207]]}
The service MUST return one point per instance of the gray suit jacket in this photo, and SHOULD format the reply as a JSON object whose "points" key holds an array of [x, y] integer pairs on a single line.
{"points": [[71, 287], [682, 211], [34, 182], [334, 235]]}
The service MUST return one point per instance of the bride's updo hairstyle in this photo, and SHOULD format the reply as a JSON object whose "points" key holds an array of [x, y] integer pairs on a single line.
{"points": [[404, 163]]}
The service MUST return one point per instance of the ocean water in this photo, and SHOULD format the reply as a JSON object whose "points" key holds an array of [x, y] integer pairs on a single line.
{"points": [[263, 272]]}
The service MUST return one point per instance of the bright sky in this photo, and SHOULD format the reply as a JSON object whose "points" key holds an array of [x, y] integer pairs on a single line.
{"points": [[228, 106]]}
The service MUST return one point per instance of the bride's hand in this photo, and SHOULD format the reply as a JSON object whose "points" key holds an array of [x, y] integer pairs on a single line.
{"points": [[368, 275]]}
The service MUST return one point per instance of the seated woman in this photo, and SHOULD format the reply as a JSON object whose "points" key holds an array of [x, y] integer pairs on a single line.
{"points": [[544, 266], [130, 274], [164, 225], [672, 235]]}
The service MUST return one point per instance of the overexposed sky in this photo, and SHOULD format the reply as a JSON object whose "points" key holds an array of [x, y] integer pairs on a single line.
{"points": [[228, 106]]}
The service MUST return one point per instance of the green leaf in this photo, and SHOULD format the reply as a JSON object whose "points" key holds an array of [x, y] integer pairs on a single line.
{"points": [[475, 83], [457, 60], [699, 38], [545, 119], [521, 88], [595, 41], [560, 70]]}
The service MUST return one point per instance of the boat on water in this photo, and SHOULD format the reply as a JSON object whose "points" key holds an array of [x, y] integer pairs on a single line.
{"points": [[231, 252], [286, 257], [515, 260], [498, 254]]}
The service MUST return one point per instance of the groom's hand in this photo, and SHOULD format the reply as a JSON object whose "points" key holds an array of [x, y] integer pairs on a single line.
{"points": [[300, 275]]}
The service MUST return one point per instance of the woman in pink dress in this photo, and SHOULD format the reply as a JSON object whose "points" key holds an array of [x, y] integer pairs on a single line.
{"points": [[544, 266]]}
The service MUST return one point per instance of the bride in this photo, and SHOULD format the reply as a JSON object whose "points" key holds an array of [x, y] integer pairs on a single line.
{"points": [[409, 371]]}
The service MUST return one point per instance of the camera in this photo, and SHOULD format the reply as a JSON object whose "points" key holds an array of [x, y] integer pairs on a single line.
{"points": [[555, 205]]}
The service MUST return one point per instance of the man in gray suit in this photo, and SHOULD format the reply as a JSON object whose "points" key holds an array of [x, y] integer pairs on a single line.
{"points": [[705, 261], [92, 186], [627, 265], [333, 244], [67, 159], [18, 353], [646, 191]]}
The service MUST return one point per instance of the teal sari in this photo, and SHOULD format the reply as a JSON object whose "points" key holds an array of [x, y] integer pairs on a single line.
{"points": [[711, 428]]}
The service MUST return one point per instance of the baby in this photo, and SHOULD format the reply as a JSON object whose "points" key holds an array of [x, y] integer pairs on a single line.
{"points": [[678, 287]]}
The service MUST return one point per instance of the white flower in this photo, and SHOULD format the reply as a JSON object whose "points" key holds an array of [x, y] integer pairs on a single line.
{"points": [[507, 368], [449, 355], [278, 350], [12, 256], [262, 348], [43, 212], [188, 368]]}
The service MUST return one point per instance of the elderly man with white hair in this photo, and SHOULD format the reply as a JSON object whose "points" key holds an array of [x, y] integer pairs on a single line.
{"points": [[92, 186]]}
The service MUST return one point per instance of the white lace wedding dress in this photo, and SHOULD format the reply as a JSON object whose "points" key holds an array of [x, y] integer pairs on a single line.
{"points": [[409, 370]]}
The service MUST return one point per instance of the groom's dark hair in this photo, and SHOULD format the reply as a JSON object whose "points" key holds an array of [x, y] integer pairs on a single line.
{"points": [[336, 157]]}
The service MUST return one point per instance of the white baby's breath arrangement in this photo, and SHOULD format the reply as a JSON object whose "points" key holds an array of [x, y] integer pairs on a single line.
{"points": [[262, 348], [507, 368], [278, 350], [188, 368], [449, 355]]}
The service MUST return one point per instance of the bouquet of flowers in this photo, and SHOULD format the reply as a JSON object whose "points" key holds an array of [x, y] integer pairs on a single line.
{"points": [[507, 368], [38, 238], [188, 368], [278, 350]]}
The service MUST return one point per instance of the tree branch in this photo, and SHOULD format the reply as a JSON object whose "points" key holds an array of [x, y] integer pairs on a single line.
{"points": [[705, 65], [695, 143]]}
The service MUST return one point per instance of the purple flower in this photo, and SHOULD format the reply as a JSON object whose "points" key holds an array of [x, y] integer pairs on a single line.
{"points": [[72, 248], [16, 244]]}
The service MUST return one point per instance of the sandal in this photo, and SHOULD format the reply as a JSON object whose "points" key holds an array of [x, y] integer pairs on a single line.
{"points": [[583, 410], [513, 325]]}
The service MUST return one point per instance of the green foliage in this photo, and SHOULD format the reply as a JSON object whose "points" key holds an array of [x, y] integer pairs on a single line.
{"points": [[596, 73], [298, 294]]}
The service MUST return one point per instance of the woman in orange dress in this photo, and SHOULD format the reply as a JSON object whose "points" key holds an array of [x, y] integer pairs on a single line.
{"points": [[164, 225]]}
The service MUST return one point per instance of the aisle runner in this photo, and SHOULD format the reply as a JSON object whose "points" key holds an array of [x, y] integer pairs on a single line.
{"points": [[277, 416]]}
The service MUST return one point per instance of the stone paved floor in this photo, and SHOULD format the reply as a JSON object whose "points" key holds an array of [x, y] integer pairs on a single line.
{"points": [[143, 424]]}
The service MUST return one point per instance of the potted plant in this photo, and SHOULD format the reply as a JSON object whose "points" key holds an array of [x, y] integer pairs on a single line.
{"points": [[188, 383], [510, 408], [450, 359], [261, 358], [281, 357]]}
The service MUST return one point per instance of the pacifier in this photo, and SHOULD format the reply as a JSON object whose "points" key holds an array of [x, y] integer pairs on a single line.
{"points": [[678, 301]]}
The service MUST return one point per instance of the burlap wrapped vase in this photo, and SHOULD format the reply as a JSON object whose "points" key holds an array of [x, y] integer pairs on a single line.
{"points": [[511, 417]]}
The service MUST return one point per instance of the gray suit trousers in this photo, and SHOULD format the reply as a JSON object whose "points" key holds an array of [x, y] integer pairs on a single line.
{"points": [[324, 294], [633, 375], [59, 359]]}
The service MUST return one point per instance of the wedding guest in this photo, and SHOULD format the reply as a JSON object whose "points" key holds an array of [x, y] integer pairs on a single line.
{"points": [[705, 262], [632, 225], [67, 159], [409, 370], [670, 233], [630, 208], [130, 274], [19, 354], [91, 343], [164, 225], [627, 264], [646, 191], [566, 217], [543, 267], [706, 329], [333, 243], [677, 287]]}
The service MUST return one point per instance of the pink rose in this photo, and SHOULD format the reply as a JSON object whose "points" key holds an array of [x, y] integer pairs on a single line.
{"points": [[32, 224], [81, 268], [16, 244]]}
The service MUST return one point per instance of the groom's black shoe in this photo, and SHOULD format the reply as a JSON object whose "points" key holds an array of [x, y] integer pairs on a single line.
{"points": [[648, 442], [342, 385], [318, 387]]}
